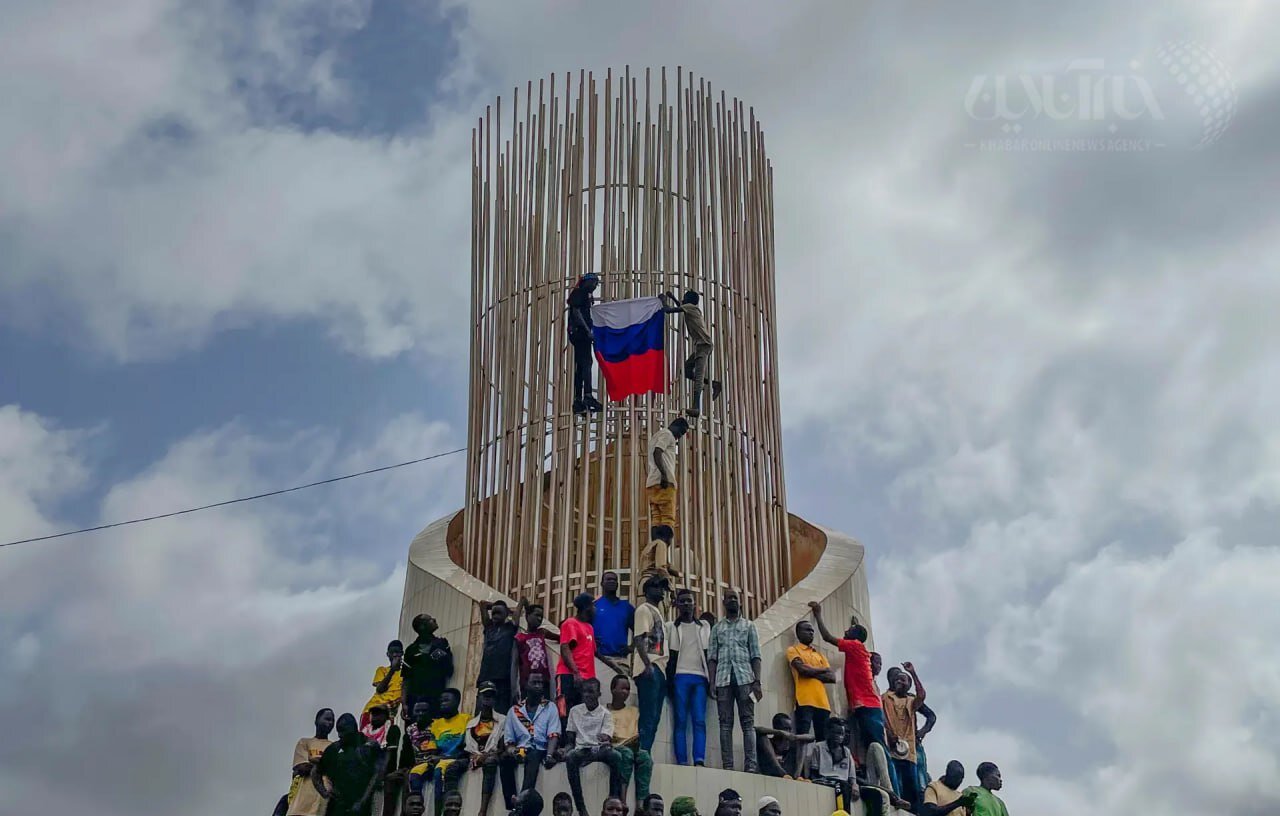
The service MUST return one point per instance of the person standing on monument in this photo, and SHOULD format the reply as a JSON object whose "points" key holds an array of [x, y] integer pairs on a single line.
{"points": [[695, 367], [651, 648], [688, 638], [612, 623], [580, 337], [660, 490], [733, 661]]}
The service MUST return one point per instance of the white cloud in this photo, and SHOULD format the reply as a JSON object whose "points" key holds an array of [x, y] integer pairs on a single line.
{"points": [[1044, 356], [251, 614]]}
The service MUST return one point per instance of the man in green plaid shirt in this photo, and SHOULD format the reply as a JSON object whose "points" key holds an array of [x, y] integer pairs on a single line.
{"points": [[733, 661]]}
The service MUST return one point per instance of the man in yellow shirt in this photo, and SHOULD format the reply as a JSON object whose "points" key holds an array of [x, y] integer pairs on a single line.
{"points": [[387, 684], [810, 669], [628, 754], [943, 796]]}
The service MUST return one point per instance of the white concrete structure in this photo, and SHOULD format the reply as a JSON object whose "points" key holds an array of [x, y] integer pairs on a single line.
{"points": [[434, 583]]}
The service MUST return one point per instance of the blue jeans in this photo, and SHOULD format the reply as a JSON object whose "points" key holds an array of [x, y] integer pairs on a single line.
{"points": [[922, 768], [906, 779], [871, 729], [690, 702], [652, 688]]}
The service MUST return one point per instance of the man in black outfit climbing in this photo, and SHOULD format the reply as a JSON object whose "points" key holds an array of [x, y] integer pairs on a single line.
{"points": [[580, 338]]}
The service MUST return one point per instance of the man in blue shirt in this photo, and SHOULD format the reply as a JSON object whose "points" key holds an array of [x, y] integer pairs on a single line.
{"points": [[613, 621], [532, 733]]}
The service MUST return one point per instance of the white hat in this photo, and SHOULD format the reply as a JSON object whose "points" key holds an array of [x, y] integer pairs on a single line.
{"points": [[766, 800]]}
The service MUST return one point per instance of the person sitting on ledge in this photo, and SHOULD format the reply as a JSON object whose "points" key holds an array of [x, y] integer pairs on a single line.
{"points": [[483, 743], [590, 730], [444, 754], [531, 734], [626, 739], [830, 763], [779, 749], [387, 684]]}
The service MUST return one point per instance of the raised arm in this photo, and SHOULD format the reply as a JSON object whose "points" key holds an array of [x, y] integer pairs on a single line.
{"points": [[911, 669], [669, 303], [822, 626]]}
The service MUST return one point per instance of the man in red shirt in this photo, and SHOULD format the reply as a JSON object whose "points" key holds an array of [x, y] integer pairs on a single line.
{"points": [[859, 686], [577, 653]]}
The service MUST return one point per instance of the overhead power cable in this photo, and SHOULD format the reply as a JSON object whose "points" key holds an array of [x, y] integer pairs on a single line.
{"points": [[268, 494]]}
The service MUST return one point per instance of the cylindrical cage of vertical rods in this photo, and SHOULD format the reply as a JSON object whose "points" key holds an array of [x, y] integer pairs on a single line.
{"points": [[654, 187]]}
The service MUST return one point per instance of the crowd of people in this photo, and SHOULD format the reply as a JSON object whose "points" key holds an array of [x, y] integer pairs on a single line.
{"points": [[413, 742]]}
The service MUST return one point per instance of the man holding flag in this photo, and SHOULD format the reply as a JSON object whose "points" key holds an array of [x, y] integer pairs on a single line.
{"points": [[695, 326]]}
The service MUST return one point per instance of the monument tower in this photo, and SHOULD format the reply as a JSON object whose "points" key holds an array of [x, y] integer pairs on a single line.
{"points": [[654, 182], [654, 187]]}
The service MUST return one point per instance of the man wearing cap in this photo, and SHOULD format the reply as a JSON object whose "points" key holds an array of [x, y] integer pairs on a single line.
{"points": [[580, 337], [730, 803], [660, 491], [577, 652], [769, 806], [695, 327], [483, 743], [651, 647]]}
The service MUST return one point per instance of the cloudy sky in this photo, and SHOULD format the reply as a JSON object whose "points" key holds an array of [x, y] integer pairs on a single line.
{"points": [[233, 251]]}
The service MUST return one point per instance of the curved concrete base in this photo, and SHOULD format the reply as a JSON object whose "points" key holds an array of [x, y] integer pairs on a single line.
{"points": [[435, 583]]}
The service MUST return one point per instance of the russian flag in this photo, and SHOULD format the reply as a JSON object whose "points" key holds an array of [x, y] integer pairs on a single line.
{"points": [[628, 338]]}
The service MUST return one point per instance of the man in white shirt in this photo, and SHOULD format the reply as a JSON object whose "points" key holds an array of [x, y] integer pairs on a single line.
{"points": [[660, 490], [649, 636], [590, 726], [687, 642]]}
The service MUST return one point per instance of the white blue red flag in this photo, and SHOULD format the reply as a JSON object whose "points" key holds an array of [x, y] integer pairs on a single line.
{"points": [[629, 338]]}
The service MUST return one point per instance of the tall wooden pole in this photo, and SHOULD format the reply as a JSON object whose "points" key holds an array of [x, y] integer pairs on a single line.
{"points": [[654, 188]]}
